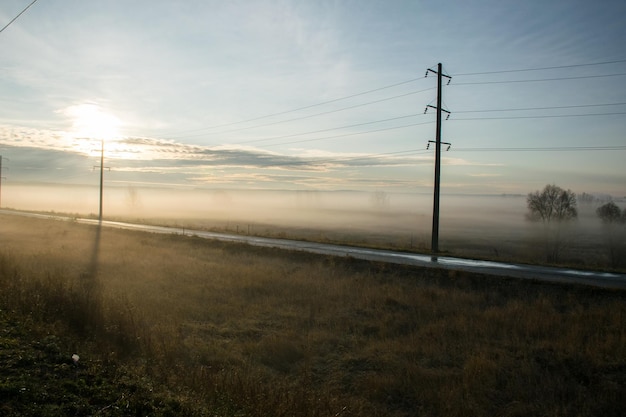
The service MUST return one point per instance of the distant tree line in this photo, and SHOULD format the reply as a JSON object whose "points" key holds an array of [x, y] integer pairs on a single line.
{"points": [[554, 206]]}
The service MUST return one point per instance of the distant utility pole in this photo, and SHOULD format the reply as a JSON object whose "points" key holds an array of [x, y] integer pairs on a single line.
{"points": [[437, 142], [101, 180]]}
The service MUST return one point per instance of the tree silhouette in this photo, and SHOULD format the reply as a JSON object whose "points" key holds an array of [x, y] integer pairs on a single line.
{"points": [[615, 235], [609, 213], [552, 204]]}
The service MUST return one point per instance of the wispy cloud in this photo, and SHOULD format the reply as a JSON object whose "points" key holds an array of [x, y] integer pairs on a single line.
{"points": [[154, 160], [135, 151]]}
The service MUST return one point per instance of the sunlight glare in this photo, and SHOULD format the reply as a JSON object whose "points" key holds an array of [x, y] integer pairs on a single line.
{"points": [[89, 121]]}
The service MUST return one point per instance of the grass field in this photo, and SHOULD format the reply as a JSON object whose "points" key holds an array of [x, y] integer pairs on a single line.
{"points": [[175, 325]]}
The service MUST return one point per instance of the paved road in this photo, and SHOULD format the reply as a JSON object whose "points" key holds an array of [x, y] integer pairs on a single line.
{"points": [[542, 273]]}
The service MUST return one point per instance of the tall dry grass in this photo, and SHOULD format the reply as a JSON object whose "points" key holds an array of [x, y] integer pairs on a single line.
{"points": [[257, 332]]}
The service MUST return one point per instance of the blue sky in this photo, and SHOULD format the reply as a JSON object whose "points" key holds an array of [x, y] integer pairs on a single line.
{"points": [[315, 95]]}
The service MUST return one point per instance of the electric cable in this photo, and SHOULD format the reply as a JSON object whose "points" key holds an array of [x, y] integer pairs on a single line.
{"points": [[18, 15], [302, 117], [548, 149], [540, 116], [350, 134], [333, 128], [179, 134], [539, 68], [542, 79], [540, 108], [306, 107]]}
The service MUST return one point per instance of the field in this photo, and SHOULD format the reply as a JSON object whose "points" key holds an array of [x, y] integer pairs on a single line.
{"points": [[477, 226], [175, 325]]}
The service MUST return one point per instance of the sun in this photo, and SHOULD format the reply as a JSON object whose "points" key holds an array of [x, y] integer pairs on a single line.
{"points": [[90, 121]]}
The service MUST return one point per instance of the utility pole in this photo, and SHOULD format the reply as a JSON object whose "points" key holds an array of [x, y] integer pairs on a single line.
{"points": [[435, 231], [101, 179]]}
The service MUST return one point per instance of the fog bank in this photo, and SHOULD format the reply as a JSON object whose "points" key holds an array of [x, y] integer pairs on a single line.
{"points": [[472, 225]]}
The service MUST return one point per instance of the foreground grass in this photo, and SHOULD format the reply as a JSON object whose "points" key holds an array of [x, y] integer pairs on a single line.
{"points": [[39, 378], [235, 330]]}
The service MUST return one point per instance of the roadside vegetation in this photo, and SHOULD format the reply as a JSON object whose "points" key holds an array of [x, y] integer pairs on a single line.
{"points": [[177, 325]]}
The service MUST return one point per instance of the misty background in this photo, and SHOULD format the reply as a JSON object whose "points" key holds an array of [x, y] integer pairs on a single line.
{"points": [[493, 226]]}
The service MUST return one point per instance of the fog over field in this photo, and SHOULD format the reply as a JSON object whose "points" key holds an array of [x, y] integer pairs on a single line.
{"points": [[346, 209], [493, 226]]}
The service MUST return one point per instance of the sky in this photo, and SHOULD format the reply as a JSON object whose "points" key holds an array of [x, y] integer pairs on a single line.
{"points": [[315, 95]]}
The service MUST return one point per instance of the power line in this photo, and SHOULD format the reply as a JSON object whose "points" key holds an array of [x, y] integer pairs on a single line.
{"points": [[334, 128], [304, 117], [15, 18], [540, 68], [308, 106], [549, 148], [543, 79], [540, 116], [177, 135], [400, 127], [351, 134], [361, 157], [404, 95], [539, 108], [377, 155], [421, 114], [490, 149]]}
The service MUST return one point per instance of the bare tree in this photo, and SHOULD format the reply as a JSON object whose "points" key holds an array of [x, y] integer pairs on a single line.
{"points": [[615, 234], [552, 204], [610, 213]]}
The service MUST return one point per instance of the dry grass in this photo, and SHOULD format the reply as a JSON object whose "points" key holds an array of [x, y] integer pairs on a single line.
{"points": [[257, 332]]}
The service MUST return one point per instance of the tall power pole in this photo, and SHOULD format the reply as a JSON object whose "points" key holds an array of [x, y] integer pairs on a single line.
{"points": [[102, 167], [435, 231], [101, 180]]}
